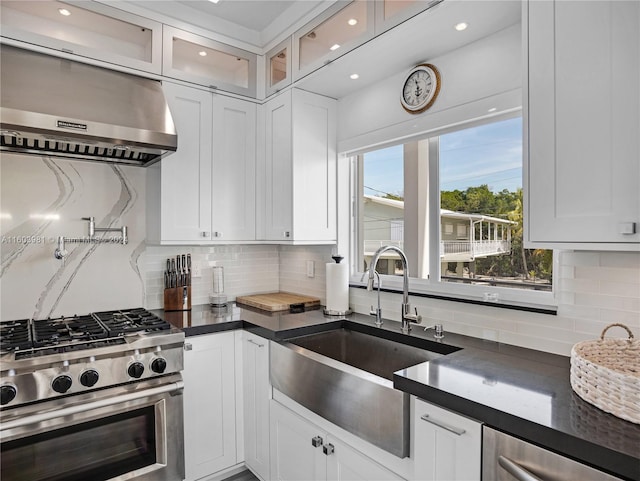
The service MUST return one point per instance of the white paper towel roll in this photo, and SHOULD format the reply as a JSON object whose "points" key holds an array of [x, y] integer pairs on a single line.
{"points": [[337, 287]]}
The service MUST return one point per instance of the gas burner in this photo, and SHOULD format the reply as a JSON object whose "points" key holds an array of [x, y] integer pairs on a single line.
{"points": [[131, 321], [51, 332], [15, 335]]}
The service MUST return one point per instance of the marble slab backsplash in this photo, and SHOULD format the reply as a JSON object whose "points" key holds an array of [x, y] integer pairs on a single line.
{"points": [[42, 198]]}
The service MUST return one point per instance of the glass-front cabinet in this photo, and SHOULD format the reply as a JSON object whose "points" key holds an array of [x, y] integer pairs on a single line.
{"points": [[278, 68], [203, 61], [336, 31], [390, 13], [94, 30]]}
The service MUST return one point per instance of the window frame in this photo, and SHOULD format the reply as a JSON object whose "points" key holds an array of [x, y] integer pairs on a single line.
{"points": [[433, 286]]}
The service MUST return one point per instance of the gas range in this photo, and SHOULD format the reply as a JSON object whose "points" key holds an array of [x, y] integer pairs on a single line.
{"points": [[48, 358]]}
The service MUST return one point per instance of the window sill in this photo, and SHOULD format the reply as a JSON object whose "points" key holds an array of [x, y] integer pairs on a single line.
{"points": [[500, 304]]}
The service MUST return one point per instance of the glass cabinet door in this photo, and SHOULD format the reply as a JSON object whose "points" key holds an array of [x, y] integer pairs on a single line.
{"points": [[278, 68], [95, 31], [203, 61], [390, 13], [335, 32]]}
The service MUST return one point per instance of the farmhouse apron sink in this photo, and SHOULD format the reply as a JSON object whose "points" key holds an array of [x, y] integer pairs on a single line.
{"points": [[346, 377]]}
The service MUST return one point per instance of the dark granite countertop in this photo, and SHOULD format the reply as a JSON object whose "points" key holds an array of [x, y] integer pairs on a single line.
{"points": [[523, 392]]}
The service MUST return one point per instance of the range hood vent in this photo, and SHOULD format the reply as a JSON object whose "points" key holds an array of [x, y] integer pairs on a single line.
{"points": [[58, 107]]}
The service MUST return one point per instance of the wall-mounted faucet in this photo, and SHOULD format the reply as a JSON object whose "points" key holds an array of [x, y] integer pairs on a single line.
{"points": [[61, 251], [407, 317]]}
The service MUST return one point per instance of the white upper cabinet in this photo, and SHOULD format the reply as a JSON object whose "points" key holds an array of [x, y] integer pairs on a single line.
{"points": [[339, 29], [205, 192], [179, 187], [233, 195], [299, 171], [278, 67], [203, 61], [94, 30], [583, 109]]}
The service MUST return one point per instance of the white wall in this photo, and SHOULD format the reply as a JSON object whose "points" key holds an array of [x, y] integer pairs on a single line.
{"points": [[476, 77]]}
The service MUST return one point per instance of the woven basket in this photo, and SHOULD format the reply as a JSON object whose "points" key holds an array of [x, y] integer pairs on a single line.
{"points": [[606, 373]]}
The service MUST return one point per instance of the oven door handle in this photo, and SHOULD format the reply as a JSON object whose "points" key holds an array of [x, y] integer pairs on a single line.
{"points": [[71, 410]]}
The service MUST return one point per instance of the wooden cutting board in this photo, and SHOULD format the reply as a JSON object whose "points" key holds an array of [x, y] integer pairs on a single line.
{"points": [[279, 301]]}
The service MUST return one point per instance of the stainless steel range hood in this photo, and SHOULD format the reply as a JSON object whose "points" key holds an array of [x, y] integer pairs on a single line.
{"points": [[58, 107]]}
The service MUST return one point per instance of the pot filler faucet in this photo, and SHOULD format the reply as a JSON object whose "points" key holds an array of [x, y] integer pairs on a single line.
{"points": [[61, 251], [407, 317]]}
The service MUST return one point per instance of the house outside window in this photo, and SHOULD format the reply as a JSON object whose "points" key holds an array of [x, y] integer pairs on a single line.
{"points": [[454, 204]]}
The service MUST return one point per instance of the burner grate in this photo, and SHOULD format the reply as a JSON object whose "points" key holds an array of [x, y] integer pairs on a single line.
{"points": [[51, 332], [15, 335], [130, 321]]}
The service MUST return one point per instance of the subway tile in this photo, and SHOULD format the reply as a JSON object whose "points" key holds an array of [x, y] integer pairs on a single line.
{"points": [[608, 302], [623, 289], [579, 258]]}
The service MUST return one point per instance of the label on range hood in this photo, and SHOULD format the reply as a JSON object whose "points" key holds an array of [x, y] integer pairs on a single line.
{"points": [[64, 124]]}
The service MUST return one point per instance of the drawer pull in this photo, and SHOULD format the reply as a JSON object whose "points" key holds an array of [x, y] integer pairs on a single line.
{"points": [[255, 343], [515, 470], [440, 424]]}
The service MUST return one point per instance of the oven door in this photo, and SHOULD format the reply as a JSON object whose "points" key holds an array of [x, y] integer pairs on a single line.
{"points": [[134, 431]]}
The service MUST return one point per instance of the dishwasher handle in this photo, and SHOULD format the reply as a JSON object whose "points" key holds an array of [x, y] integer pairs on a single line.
{"points": [[517, 471]]}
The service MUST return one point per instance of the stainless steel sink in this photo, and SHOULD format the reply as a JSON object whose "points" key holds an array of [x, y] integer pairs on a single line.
{"points": [[345, 376]]}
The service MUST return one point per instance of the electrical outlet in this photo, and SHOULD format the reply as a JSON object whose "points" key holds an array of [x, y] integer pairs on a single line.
{"points": [[196, 270], [311, 269]]}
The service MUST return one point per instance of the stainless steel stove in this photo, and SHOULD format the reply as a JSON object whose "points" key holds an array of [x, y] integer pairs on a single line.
{"points": [[113, 374]]}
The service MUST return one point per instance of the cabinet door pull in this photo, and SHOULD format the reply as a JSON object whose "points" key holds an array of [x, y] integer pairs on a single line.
{"points": [[440, 424], [188, 346], [328, 449], [517, 471], [316, 441], [255, 343]]}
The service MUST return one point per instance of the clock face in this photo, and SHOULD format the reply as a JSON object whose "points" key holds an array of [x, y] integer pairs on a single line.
{"points": [[420, 88]]}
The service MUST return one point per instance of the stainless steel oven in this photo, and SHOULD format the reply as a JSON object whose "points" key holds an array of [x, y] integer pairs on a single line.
{"points": [[126, 432], [96, 397]]}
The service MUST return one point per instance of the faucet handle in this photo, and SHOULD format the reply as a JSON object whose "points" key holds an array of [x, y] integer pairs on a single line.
{"points": [[373, 311], [415, 318]]}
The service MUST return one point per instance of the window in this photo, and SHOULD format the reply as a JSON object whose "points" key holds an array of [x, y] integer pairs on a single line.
{"points": [[456, 198]]}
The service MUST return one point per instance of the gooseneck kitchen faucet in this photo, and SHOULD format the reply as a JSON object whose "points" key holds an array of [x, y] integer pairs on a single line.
{"points": [[407, 317], [61, 251]]}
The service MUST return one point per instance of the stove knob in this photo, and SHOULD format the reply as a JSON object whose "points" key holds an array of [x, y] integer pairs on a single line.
{"points": [[158, 365], [61, 384], [89, 377], [7, 394], [135, 369]]}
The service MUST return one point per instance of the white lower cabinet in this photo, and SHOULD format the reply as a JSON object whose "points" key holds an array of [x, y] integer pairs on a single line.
{"points": [[209, 404], [301, 451], [447, 446], [256, 395]]}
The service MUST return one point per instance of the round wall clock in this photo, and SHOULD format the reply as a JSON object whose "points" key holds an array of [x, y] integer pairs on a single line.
{"points": [[420, 89]]}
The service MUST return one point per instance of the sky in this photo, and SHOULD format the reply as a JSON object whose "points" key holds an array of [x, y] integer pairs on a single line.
{"points": [[488, 154]]}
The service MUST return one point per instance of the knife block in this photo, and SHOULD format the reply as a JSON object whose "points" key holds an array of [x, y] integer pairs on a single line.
{"points": [[177, 298]]}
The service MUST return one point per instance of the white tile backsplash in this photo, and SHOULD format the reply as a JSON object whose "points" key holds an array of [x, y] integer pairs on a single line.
{"points": [[593, 289]]}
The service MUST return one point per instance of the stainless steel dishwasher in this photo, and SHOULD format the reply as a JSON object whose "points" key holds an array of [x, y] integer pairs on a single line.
{"points": [[505, 458]]}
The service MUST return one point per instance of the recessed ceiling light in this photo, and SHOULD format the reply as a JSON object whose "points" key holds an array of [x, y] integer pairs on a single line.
{"points": [[202, 53], [492, 109], [64, 11], [335, 46], [214, 1], [352, 21], [354, 76], [461, 26]]}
